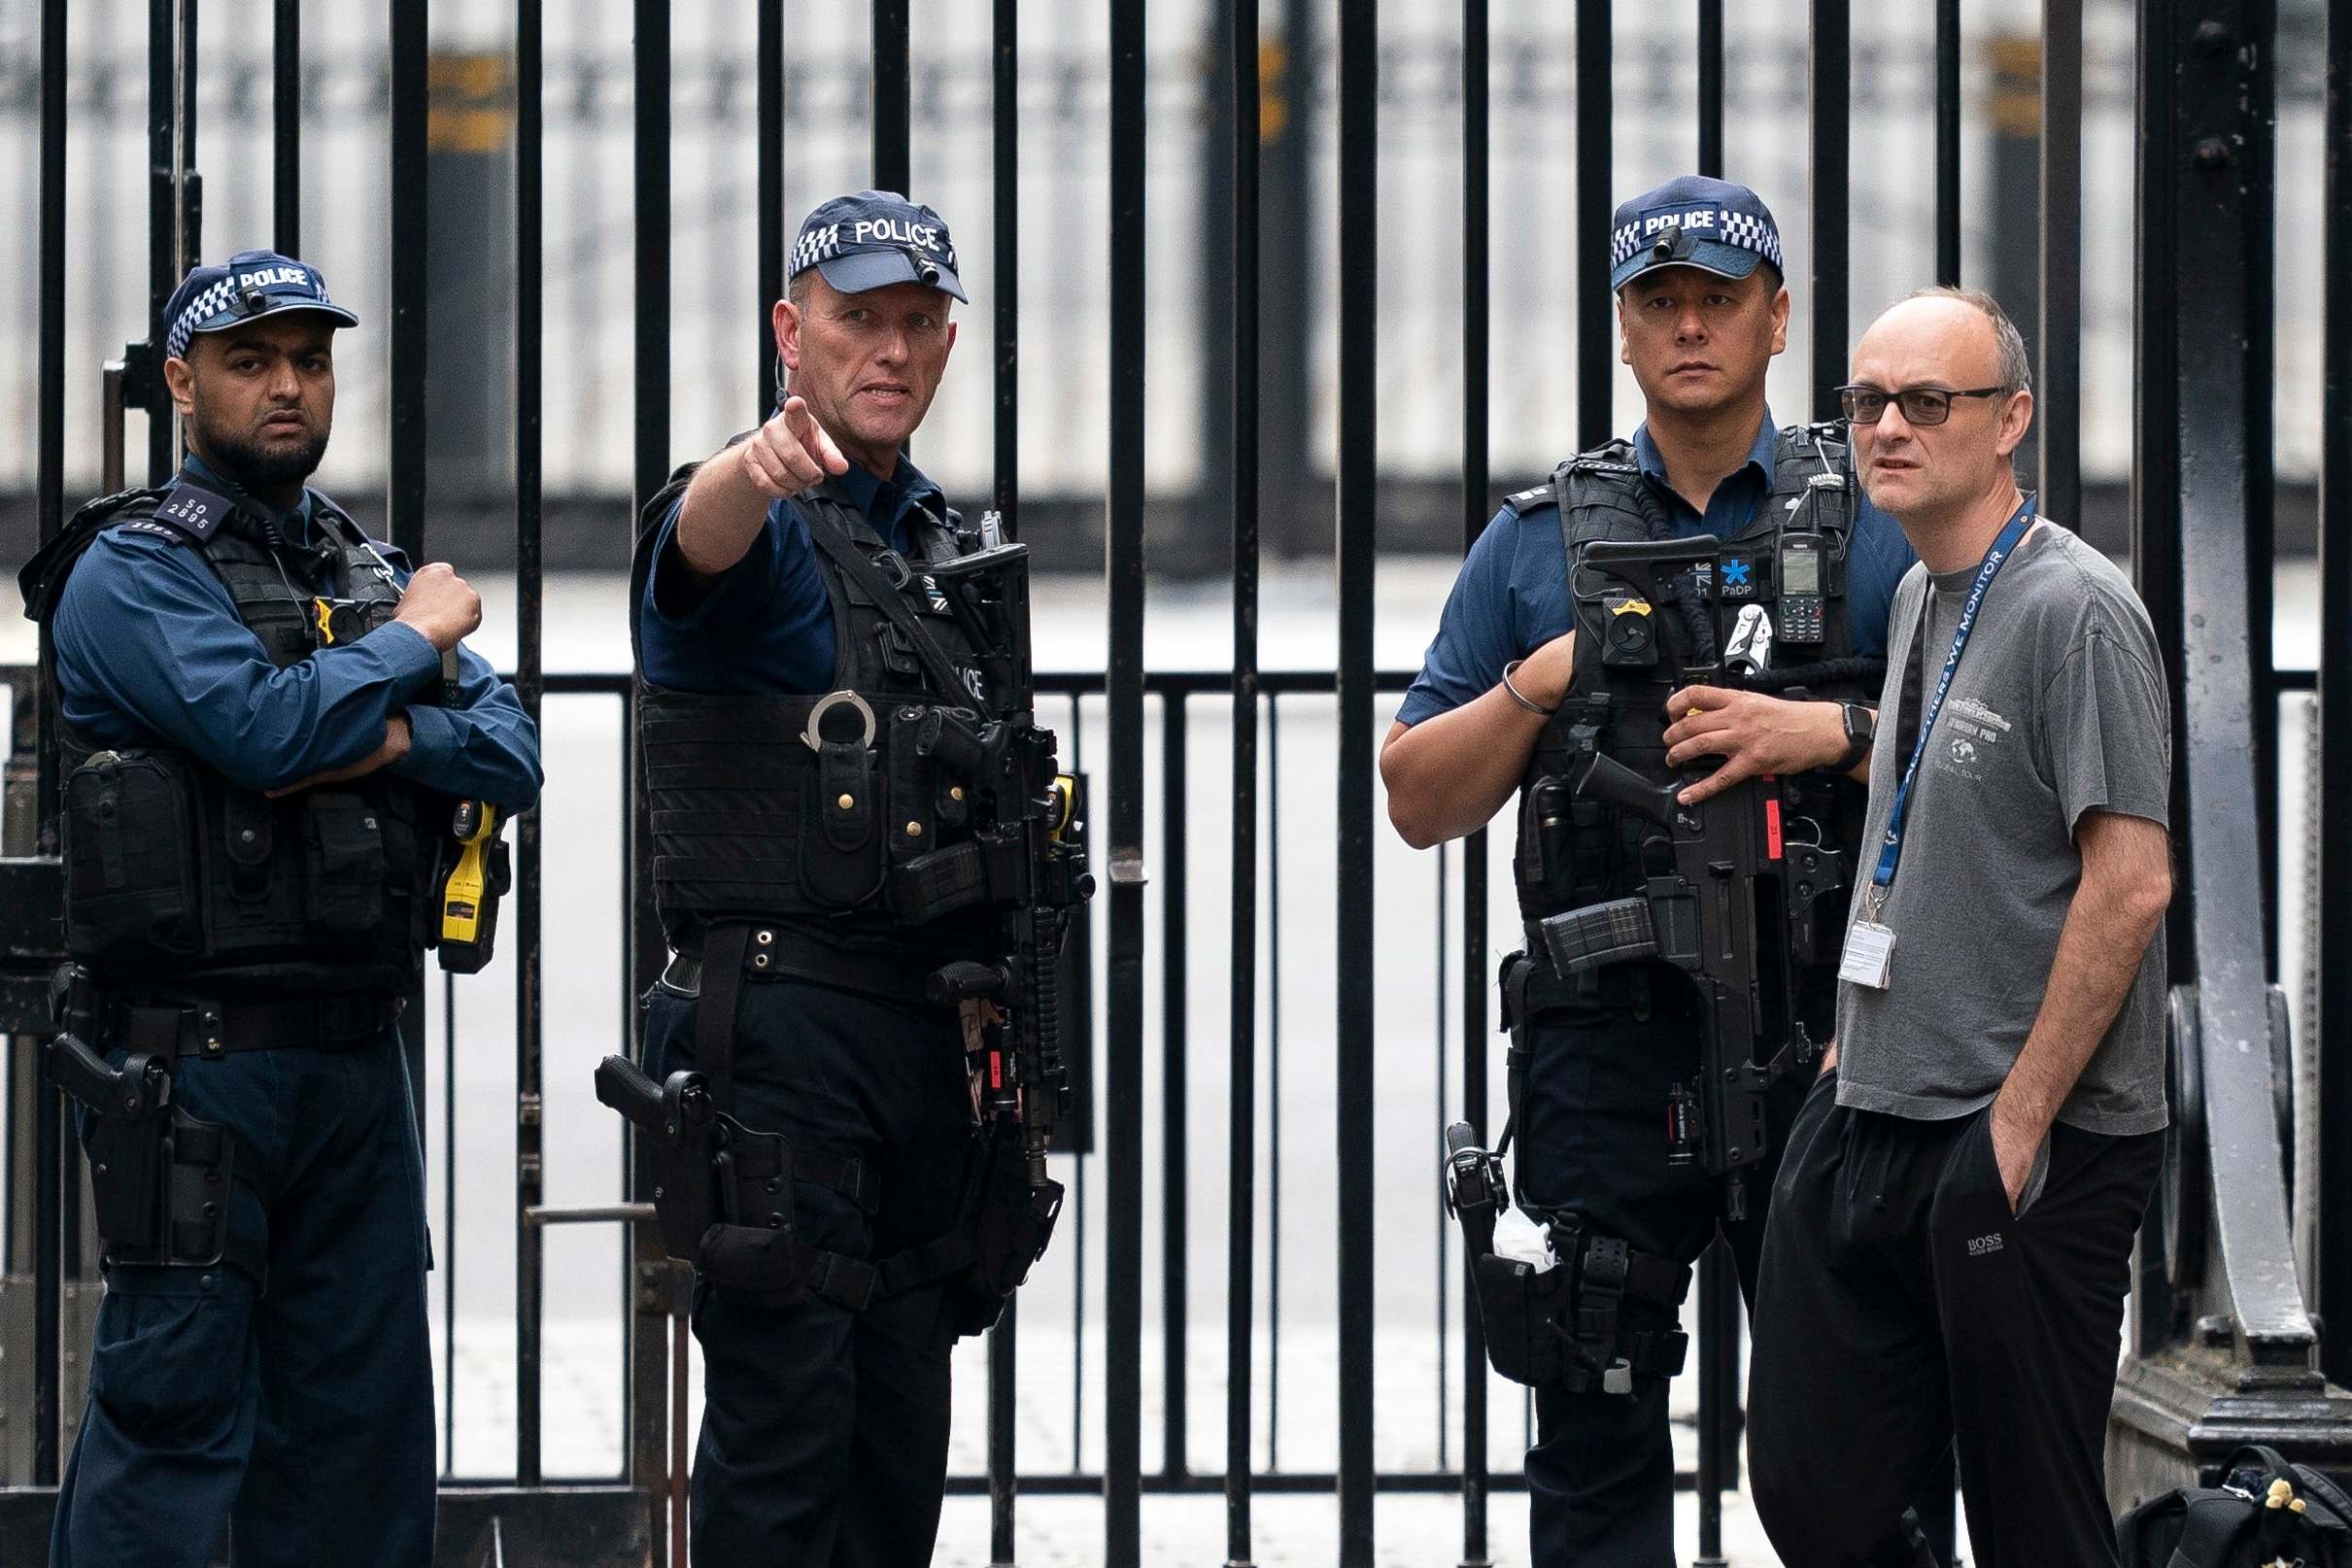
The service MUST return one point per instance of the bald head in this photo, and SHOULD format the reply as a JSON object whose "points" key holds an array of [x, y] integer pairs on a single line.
{"points": [[1933, 475]]}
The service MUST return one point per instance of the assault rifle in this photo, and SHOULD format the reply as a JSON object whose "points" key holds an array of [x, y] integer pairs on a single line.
{"points": [[1720, 910], [1028, 830]]}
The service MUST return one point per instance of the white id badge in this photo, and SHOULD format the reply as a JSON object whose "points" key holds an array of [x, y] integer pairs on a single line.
{"points": [[1869, 954]]}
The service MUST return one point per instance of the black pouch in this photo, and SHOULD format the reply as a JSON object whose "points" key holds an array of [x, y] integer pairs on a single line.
{"points": [[754, 1248], [1522, 1311], [343, 862], [1010, 1224], [132, 885]]}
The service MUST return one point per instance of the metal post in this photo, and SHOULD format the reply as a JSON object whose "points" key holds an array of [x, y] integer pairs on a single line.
{"points": [[1123, 1099], [404, 463], [769, 186], [531, 1257], [1831, 128], [893, 102], [2328, 1031], [1948, 143], [1241, 1225], [162, 271], [1358, 315], [286, 113], [1172, 1138], [1477, 363], [1003, 1473], [1595, 307], [2058, 383], [1711, 88], [650, 1418], [48, 1143]]}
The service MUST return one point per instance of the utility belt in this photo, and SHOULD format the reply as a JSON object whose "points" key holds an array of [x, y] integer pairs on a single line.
{"points": [[160, 1177], [722, 1191], [1566, 1326], [777, 952]]}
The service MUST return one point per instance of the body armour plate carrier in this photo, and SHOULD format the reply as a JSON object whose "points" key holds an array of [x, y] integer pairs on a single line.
{"points": [[180, 881], [1574, 852], [839, 817]]}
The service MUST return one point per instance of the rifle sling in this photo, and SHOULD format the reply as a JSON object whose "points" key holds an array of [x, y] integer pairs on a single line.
{"points": [[891, 600]]}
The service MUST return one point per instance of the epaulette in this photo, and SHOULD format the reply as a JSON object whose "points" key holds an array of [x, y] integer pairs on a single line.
{"points": [[42, 576], [1522, 501], [185, 511]]}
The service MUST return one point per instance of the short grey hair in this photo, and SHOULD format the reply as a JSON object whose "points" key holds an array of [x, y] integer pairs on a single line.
{"points": [[2015, 366]]}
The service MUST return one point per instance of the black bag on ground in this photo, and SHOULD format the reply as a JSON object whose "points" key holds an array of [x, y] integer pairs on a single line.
{"points": [[2267, 1511]]}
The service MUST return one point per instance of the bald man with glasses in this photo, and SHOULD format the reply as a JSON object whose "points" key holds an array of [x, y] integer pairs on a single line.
{"points": [[1951, 1224]]}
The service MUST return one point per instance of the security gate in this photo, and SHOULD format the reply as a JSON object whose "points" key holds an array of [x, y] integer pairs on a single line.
{"points": [[1296, 102]]}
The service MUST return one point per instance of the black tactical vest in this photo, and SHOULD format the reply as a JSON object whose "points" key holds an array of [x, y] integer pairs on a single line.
{"points": [[1577, 852], [836, 819], [181, 883]]}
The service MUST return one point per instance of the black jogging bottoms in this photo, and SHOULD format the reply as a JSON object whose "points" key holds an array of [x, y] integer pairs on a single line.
{"points": [[1902, 1308]]}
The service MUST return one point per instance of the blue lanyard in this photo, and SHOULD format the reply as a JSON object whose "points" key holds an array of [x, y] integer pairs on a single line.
{"points": [[2004, 547]]}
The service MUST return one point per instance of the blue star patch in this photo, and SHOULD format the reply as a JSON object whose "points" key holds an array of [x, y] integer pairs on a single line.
{"points": [[1736, 573]]}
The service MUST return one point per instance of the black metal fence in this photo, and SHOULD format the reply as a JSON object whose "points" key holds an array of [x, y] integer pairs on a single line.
{"points": [[2201, 550]]}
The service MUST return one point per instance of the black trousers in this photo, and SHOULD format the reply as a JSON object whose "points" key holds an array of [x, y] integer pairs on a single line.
{"points": [[1894, 1265], [1592, 1142], [297, 1420], [824, 1434]]}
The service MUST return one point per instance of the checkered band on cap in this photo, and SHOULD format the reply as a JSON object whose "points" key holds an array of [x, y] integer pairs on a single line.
{"points": [[1744, 230], [203, 308], [224, 293], [815, 245]]}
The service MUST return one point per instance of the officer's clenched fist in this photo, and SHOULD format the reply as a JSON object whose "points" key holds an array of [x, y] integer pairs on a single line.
{"points": [[440, 605], [790, 453]]}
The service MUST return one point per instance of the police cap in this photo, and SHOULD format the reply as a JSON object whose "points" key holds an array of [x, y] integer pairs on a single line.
{"points": [[874, 239], [1692, 221], [250, 283]]}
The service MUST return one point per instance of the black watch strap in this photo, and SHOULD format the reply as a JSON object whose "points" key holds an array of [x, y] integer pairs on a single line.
{"points": [[1861, 733]]}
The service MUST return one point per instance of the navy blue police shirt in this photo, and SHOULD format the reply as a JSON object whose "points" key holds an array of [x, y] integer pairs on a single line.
{"points": [[764, 625], [1512, 596], [150, 650]]}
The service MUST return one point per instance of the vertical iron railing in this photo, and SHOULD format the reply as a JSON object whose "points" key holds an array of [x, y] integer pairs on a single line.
{"points": [[49, 1109], [1355, 546], [1947, 142], [1831, 108], [2059, 384], [531, 1257], [1123, 1080], [1003, 1354], [406, 455], [2330, 1030], [1595, 309], [286, 130], [893, 101], [654, 1405], [1241, 1160], [767, 186], [1477, 367]]}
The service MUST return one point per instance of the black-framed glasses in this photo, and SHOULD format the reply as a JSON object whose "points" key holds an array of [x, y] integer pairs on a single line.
{"points": [[1920, 405]]}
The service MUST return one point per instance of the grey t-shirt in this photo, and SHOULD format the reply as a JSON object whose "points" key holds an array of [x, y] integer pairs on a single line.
{"points": [[2058, 707]]}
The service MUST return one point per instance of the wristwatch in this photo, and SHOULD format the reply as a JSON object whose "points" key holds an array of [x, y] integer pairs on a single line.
{"points": [[1862, 732]]}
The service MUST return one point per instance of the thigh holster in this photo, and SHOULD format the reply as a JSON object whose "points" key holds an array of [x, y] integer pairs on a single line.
{"points": [[160, 1177], [1568, 1326]]}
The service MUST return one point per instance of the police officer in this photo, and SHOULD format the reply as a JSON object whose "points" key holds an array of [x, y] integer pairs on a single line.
{"points": [[267, 725], [809, 661], [1508, 695]]}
